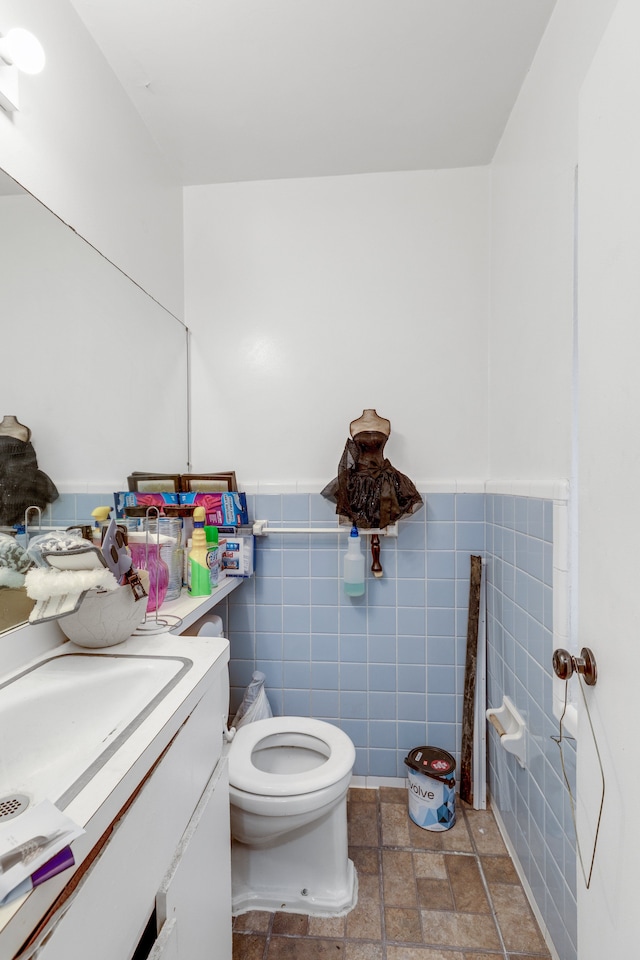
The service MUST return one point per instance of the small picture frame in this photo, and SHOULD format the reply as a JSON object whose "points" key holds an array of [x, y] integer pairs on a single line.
{"points": [[208, 482], [154, 482]]}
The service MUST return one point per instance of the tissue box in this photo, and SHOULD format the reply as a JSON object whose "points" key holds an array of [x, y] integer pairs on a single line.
{"points": [[237, 556]]}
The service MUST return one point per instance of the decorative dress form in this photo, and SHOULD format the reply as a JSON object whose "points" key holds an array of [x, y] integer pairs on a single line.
{"points": [[22, 484], [368, 490], [10, 426]]}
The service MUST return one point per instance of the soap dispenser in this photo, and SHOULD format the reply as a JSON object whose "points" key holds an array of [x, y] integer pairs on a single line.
{"points": [[354, 566]]}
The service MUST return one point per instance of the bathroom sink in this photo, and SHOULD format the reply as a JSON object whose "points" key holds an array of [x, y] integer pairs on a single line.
{"points": [[62, 719]]}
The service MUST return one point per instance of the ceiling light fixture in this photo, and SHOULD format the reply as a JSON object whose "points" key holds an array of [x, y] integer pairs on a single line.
{"points": [[19, 51]]}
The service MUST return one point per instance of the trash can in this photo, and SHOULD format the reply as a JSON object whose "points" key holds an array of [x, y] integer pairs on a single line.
{"points": [[432, 788]]}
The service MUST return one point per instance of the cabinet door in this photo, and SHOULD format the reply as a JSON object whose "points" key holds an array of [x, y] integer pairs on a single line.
{"points": [[166, 946], [196, 890]]}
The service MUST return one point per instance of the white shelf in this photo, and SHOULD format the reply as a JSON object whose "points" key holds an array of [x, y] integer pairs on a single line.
{"points": [[190, 609]]}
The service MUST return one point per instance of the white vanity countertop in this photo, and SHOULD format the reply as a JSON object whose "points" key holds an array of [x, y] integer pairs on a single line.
{"points": [[99, 802]]}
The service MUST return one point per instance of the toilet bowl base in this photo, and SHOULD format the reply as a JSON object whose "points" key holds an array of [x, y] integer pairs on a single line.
{"points": [[307, 871], [328, 903]]}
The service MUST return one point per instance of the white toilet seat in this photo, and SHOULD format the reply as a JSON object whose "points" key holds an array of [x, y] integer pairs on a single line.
{"points": [[330, 741]]}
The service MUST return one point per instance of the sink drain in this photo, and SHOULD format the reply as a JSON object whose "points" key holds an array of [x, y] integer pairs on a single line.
{"points": [[12, 806]]}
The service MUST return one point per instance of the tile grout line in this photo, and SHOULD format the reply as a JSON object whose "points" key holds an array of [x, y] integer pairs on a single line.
{"points": [[383, 926], [486, 888]]}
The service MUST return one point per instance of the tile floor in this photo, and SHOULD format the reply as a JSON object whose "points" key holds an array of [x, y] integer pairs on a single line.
{"points": [[452, 895]]}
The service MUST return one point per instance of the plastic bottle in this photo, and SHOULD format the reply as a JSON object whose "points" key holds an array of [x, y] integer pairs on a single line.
{"points": [[21, 535], [354, 566], [198, 577], [100, 522], [213, 555]]}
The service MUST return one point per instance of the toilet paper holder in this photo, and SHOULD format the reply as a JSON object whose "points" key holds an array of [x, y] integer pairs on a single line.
{"points": [[508, 723]]}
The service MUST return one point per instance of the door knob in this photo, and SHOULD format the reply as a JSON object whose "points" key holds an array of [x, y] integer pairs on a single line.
{"points": [[565, 665]]}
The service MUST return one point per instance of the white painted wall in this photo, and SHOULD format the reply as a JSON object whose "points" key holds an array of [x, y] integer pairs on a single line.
{"points": [[530, 339], [79, 146], [310, 300], [609, 306]]}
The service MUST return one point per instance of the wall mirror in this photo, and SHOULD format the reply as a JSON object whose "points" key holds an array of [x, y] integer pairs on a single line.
{"points": [[94, 366]]}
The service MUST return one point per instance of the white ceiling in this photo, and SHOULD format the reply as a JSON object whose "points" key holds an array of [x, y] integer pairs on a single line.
{"points": [[264, 89]]}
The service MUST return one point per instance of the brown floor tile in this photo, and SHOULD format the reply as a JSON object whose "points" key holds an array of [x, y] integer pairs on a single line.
{"points": [[254, 921], [469, 895], [326, 926], [393, 795], [292, 924], [402, 925], [365, 859], [459, 930], [422, 839], [485, 833], [489, 956], [395, 825], [362, 795], [364, 923], [248, 946], [423, 953], [518, 926], [430, 865], [368, 887], [362, 825], [301, 948], [398, 881], [434, 894], [456, 838], [522, 956], [499, 870], [359, 950]]}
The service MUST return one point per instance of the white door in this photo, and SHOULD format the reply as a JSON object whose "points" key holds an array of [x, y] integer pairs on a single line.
{"points": [[609, 484]]}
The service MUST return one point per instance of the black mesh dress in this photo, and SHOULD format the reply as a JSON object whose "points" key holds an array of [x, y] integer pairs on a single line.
{"points": [[22, 484], [368, 490]]}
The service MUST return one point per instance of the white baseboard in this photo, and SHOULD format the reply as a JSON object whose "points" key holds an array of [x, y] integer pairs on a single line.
{"points": [[372, 783]]}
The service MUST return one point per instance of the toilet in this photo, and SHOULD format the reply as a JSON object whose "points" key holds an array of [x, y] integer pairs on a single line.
{"points": [[288, 782]]}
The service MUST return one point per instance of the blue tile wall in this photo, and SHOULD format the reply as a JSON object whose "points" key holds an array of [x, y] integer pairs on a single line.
{"points": [[533, 802], [388, 667], [74, 508]]}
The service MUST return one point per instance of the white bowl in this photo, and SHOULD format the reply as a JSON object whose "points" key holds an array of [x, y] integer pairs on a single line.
{"points": [[105, 618]]}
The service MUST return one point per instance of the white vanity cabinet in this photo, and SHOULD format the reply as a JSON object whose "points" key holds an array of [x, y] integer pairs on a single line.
{"points": [[169, 853], [153, 875]]}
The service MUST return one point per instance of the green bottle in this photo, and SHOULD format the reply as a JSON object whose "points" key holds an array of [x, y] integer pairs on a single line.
{"points": [[198, 576]]}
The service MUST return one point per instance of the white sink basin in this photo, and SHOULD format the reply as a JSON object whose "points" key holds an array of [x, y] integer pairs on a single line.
{"points": [[61, 720]]}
